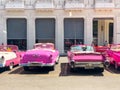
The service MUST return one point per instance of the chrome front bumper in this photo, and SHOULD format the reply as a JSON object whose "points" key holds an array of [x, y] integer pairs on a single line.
{"points": [[34, 64], [87, 65]]}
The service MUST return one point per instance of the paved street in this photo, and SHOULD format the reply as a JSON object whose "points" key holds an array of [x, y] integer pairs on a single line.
{"points": [[59, 79]]}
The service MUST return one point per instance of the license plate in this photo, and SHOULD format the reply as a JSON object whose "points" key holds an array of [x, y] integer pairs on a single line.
{"points": [[89, 66], [35, 64]]}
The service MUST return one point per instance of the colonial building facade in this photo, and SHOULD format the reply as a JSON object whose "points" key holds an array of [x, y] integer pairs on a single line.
{"points": [[62, 22]]}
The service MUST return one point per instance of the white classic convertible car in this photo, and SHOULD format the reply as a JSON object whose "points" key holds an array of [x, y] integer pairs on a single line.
{"points": [[9, 56]]}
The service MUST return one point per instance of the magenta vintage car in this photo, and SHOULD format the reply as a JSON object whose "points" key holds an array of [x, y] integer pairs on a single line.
{"points": [[101, 49], [85, 57], [113, 55], [43, 55], [9, 56]]}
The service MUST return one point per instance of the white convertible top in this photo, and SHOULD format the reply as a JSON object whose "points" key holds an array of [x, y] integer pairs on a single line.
{"points": [[8, 55]]}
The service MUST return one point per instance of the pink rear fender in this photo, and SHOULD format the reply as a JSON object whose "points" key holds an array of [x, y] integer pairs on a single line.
{"points": [[116, 57], [55, 56], [14, 61]]}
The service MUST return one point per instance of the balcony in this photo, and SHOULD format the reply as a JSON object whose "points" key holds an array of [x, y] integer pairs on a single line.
{"points": [[2, 2], [44, 5], [29, 4], [104, 4], [117, 3], [14, 5], [74, 4]]}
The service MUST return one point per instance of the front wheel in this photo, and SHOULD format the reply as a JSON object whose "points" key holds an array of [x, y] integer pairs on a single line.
{"points": [[57, 60], [52, 68], [26, 68], [72, 69], [100, 70], [10, 67], [117, 67]]}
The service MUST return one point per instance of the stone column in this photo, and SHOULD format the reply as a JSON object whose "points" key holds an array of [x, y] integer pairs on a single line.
{"points": [[30, 29], [59, 33], [3, 29], [88, 30], [116, 35]]}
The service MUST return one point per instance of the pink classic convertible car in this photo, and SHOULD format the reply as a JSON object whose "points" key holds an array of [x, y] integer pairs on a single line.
{"points": [[43, 55], [85, 57], [113, 55], [9, 56]]}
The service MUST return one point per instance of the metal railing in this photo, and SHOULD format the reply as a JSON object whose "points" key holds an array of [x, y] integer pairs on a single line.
{"points": [[44, 1], [61, 3], [104, 1], [2, 2], [74, 4], [109, 4], [14, 4], [44, 4], [74, 1], [14, 1]]}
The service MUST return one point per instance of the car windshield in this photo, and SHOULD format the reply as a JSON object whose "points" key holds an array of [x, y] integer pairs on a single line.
{"points": [[82, 48], [76, 48], [115, 48], [44, 46]]}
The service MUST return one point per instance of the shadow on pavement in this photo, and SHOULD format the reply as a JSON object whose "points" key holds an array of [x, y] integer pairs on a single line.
{"points": [[65, 71], [5, 69], [2, 70], [111, 69], [39, 70]]}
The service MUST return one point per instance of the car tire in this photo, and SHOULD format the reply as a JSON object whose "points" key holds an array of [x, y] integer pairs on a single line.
{"points": [[52, 68], [10, 67], [72, 70], [57, 61], [26, 68], [116, 67], [100, 70], [3, 69]]}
